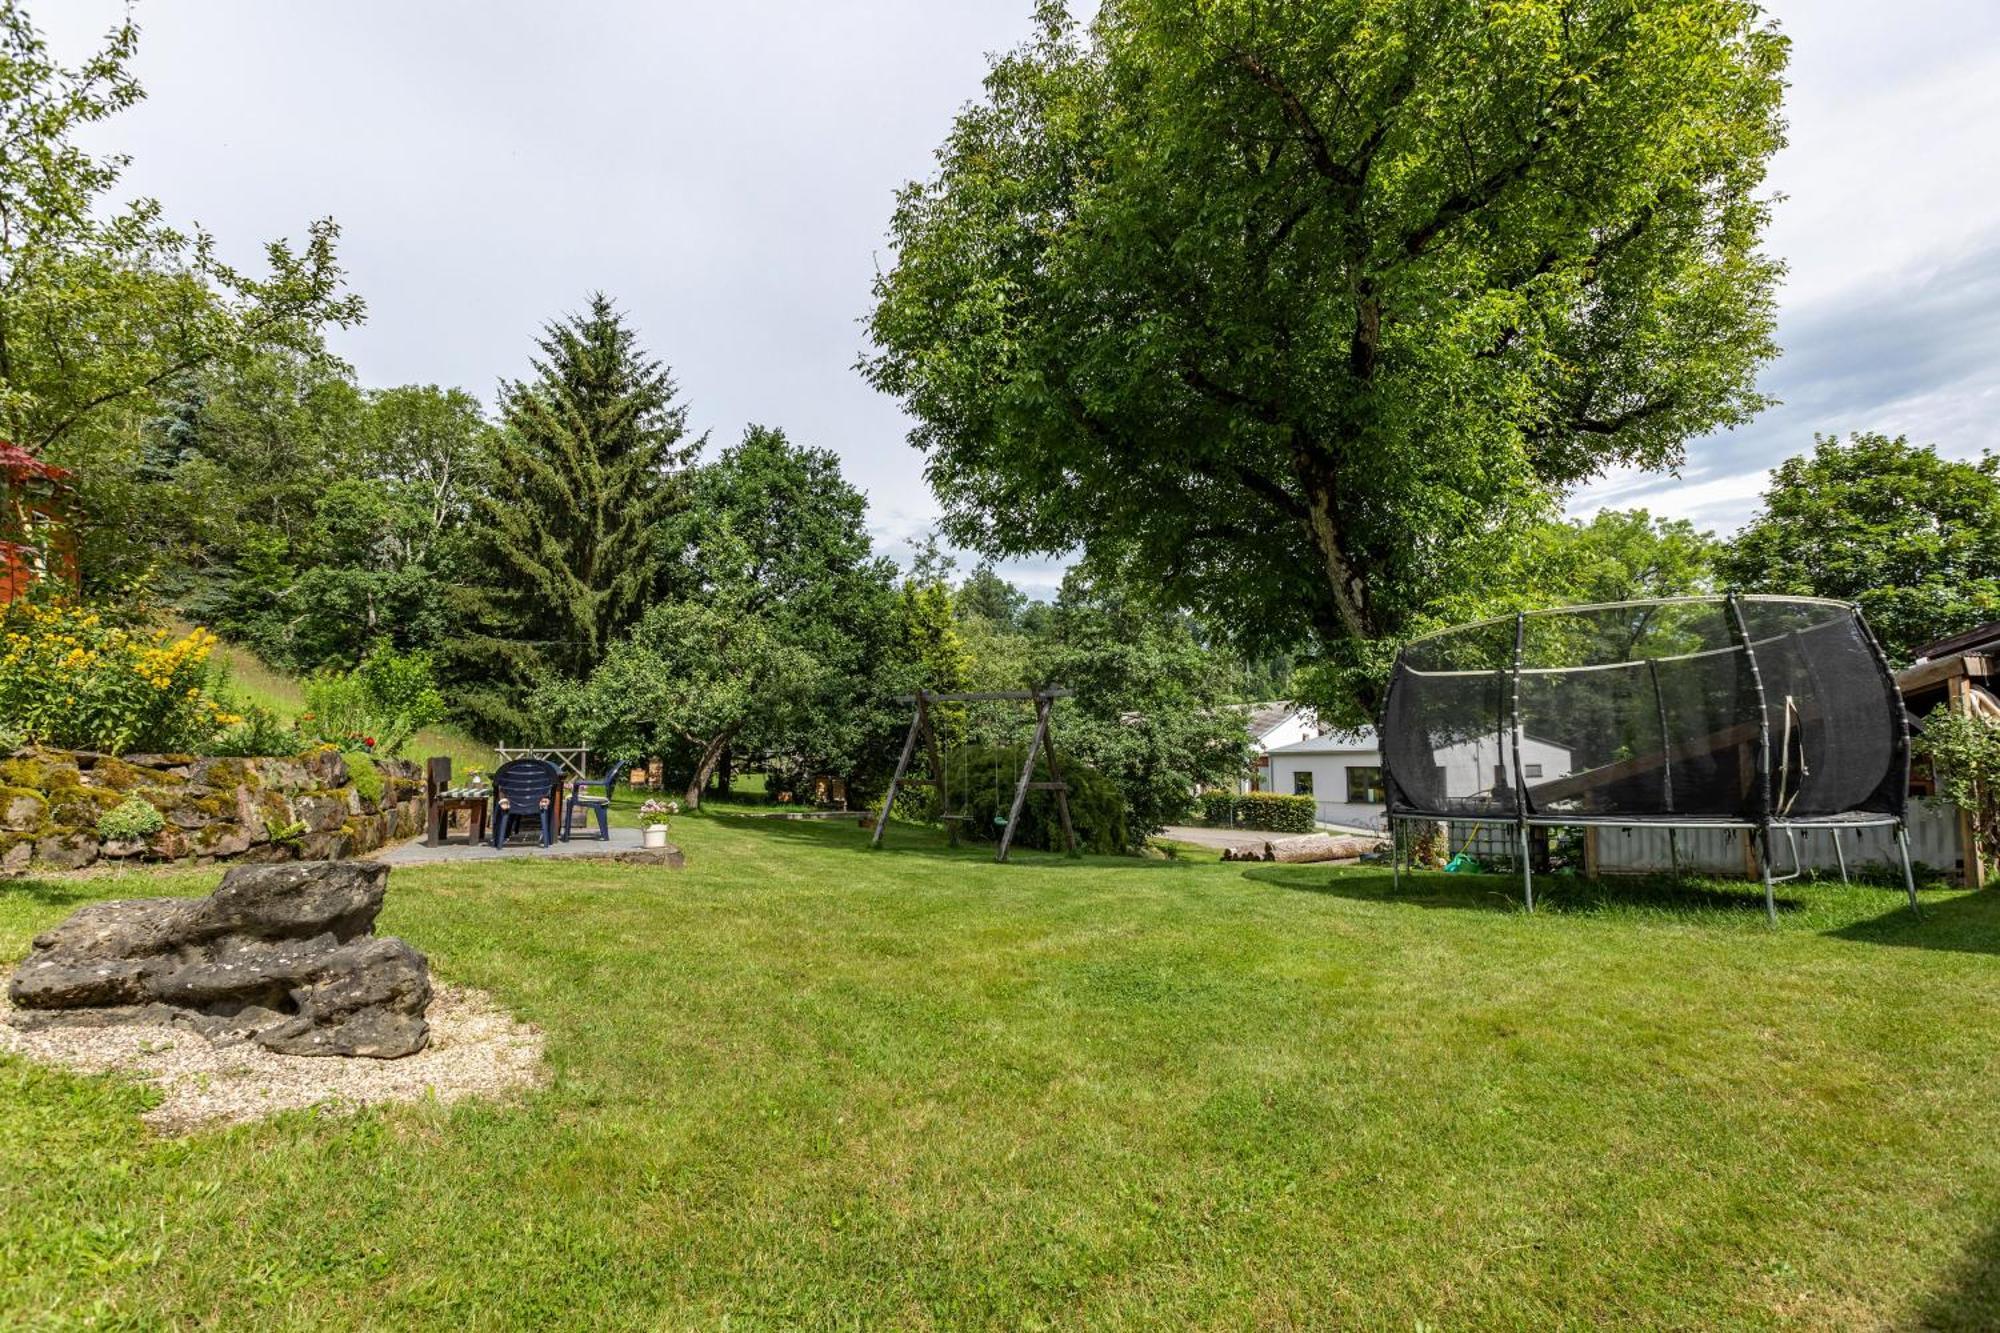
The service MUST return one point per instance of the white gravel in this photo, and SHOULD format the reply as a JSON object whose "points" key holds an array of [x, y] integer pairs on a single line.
{"points": [[476, 1049]]}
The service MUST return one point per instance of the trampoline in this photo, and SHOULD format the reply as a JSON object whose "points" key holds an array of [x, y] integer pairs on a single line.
{"points": [[1765, 714]]}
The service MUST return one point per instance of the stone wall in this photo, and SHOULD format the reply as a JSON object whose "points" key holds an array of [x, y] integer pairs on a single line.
{"points": [[307, 807]]}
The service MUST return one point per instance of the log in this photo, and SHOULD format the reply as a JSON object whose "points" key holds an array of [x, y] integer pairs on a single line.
{"points": [[1321, 847]]}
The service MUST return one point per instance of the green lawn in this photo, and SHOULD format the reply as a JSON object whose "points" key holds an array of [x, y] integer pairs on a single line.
{"points": [[804, 1085]]}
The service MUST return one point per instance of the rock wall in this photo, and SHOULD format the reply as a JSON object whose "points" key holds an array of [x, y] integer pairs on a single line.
{"points": [[307, 807]]}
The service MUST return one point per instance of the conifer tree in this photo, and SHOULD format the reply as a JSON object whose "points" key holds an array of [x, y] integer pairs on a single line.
{"points": [[587, 463]]}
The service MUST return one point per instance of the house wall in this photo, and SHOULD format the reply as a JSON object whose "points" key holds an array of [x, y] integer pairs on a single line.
{"points": [[1329, 782], [1301, 725]]}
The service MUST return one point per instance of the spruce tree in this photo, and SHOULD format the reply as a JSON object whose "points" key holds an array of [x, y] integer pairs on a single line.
{"points": [[587, 463]]}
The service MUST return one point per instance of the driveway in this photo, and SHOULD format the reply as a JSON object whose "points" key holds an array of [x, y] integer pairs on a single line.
{"points": [[1224, 838]]}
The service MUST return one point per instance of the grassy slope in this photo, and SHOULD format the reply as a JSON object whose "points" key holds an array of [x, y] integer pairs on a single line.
{"points": [[800, 1084], [252, 681]]}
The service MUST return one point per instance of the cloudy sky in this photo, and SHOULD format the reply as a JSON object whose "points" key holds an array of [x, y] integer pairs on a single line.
{"points": [[725, 171]]}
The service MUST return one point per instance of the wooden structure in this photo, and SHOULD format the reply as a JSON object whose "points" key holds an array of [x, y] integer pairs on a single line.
{"points": [[921, 729], [442, 801], [1961, 673], [36, 540], [573, 761]]}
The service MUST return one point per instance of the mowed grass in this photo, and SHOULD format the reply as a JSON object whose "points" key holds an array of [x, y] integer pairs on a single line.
{"points": [[803, 1085]]}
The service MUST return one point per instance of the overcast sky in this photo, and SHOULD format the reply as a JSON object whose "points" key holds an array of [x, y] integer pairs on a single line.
{"points": [[725, 171]]}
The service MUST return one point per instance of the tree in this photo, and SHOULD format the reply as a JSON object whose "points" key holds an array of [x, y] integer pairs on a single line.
{"points": [[104, 307], [781, 633], [697, 672], [584, 470], [1144, 711], [1296, 310], [1913, 538]]}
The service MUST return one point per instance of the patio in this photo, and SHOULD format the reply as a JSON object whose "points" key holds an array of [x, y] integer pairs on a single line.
{"points": [[625, 844]]}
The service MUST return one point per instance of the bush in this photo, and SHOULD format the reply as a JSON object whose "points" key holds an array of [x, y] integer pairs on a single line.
{"points": [[377, 707], [1273, 813], [134, 819], [70, 679], [261, 734], [1217, 807], [981, 780]]}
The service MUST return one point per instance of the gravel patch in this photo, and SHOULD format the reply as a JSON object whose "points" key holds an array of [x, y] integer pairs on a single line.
{"points": [[477, 1049]]}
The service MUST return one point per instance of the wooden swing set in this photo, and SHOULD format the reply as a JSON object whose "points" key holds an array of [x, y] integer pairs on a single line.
{"points": [[1043, 738]]}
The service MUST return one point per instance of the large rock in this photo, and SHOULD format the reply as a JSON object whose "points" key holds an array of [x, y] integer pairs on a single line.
{"points": [[283, 955]]}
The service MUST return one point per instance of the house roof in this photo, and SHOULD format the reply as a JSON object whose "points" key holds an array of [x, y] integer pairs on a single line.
{"points": [[1260, 720], [1980, 636], [1359, 741]]}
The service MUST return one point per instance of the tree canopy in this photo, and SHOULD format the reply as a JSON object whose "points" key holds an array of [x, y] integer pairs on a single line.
{"points": [[583, 473], [1912, 537], [1299, 311]]}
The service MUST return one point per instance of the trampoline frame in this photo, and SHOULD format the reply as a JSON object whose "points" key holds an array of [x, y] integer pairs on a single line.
{"points": [[1764, 829]]}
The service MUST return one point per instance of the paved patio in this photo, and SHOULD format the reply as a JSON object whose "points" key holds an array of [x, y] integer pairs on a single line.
{"points": [[625, 844]]}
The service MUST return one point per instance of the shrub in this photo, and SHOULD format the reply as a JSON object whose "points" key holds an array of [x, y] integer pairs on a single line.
{"points": [[260, 734], [981, 780], [1217, 807], [1274, 813], [377, 707], [134, 819], [69, 678], [1964, 755]]}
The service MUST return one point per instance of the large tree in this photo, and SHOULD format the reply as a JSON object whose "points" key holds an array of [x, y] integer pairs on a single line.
{"points": [[103, 305], [585, 470], [1292, 309], [1913, 538], [780, 635]]}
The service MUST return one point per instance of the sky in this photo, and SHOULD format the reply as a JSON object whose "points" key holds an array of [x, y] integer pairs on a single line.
{"points": [[726, 173]]}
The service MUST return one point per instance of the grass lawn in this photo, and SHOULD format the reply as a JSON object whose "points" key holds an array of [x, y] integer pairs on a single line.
{"points": [[803, 1085]]}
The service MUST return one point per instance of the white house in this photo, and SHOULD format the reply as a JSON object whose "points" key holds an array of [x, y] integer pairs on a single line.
{"points": [[1342, 771], [1273, 726]]}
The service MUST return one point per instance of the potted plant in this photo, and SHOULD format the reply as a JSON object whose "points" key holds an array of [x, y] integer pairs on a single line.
{"points": [[655, 811]]}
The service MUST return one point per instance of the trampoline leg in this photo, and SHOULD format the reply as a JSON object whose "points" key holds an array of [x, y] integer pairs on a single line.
{"points": [[1674, 851], [1395, 858], [1770, 893], [1840, 855], [1909, 874], [1527, 871]]}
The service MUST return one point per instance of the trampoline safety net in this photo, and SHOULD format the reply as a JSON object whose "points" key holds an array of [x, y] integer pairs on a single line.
{"points": [[1742, 710]]}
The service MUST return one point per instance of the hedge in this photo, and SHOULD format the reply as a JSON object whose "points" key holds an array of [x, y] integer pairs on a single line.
{"points": [[1265, 810]]}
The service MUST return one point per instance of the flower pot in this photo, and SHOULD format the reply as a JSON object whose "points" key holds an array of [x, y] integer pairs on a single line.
{"points": [[656, 835]]}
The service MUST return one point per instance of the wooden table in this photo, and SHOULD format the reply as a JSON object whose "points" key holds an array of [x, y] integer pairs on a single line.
{"points": [[475, 801]]}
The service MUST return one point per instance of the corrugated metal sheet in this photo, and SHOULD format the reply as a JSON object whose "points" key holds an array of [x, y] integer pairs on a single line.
{"points": [[1645, 848]]}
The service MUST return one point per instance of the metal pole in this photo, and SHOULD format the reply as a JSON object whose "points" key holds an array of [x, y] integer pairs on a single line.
{"points": [[1520, 783], [1395, 858], [1840, 855], [1674, 851], [1770, 895], [1909, 875], [1527, 871]]}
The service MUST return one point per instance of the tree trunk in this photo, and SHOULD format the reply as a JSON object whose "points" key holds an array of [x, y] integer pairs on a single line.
{"points": [[725, 771], [711, 754]]}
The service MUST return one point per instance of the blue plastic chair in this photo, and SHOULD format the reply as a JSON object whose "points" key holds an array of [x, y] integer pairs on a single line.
{"points": [[524, 789], [599, 805]]}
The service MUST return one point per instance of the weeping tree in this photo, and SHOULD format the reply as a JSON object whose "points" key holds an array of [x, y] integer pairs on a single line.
{"points": [[1300, 311]]}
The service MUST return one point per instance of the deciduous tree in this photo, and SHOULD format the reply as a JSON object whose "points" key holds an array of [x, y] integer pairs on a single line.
{"points": [[1292, 309]]}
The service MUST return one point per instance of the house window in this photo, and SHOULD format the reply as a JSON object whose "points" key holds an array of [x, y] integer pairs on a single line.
{"points": [[1364, 786], [1531, 770], [1302, 783]]}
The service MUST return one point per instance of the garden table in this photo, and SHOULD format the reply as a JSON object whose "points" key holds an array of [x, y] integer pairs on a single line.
{"points": [[475, 801]]}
